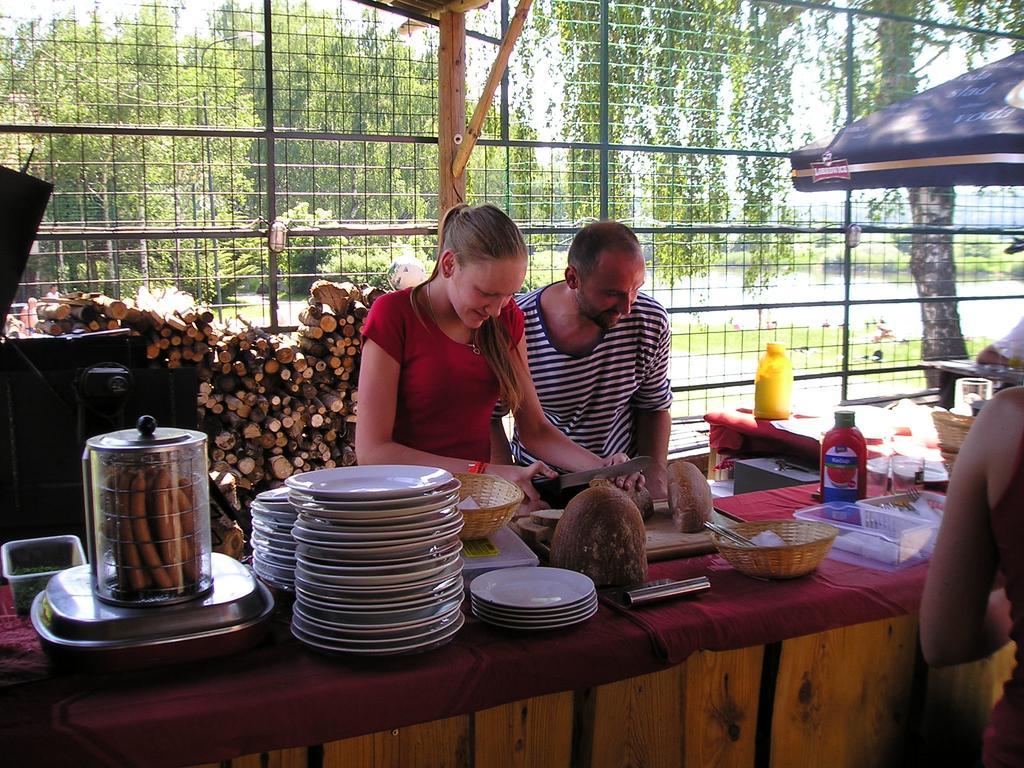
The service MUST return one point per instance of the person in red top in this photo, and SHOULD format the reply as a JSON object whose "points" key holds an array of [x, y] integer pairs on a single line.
{"points": [[982, 533], [437, 357]]}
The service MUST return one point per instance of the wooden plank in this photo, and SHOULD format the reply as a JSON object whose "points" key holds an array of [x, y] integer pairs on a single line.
{"points": [[842, 697], [638, 721], [297, 757], [958, 702], [451, 119], [665, 542], [438, 744], [534, 733], [476, 123], [721, 694]]}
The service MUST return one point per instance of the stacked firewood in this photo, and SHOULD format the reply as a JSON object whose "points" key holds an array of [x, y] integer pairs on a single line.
{"points": [[176, 331], [275, 405]]}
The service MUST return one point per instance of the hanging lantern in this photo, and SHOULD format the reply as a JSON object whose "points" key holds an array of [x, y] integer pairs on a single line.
{"points": [[277, 237]]}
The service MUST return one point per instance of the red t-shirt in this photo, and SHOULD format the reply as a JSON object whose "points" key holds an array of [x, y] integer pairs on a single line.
{"points": [[446, 392]]}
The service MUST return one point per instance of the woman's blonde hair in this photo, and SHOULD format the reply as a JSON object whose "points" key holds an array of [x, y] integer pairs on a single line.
{"points": [[474, 234]]}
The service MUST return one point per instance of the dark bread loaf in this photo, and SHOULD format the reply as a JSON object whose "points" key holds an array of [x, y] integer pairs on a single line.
{"points": [[639, 496], [601, 534], [689, 497]]}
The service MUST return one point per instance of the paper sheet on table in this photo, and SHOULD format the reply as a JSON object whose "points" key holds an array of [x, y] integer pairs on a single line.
{"points": [[874, 423]]}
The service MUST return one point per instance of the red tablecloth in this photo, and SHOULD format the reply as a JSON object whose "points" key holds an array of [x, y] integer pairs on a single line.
{"points": [[281, 694]]}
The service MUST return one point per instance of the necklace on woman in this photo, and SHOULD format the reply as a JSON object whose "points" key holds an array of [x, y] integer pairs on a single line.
{"points": [[472, 334]]}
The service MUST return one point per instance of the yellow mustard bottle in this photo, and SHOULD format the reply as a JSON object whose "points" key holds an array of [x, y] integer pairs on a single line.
{"points": [[773, 384]]}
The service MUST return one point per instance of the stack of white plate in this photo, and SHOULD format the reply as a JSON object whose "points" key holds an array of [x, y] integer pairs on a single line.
{"points": [[533, 598], [273, 548], [378, 570]]}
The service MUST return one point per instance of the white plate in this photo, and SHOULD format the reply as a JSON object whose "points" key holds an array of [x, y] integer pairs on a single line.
{"points": [[274, 557], [383, 481], [372, 518], [381, 535], [270, 514], [274, 495], [384, 596], [430, 520], [515, 614], [379, 546], [334, 568], [411, 634], [531, 587], [358, 626], [446, 494], [332, 556], [537, 627], [382, 555], [379, 580], [385, 611], [401, 648], [413, 589]]}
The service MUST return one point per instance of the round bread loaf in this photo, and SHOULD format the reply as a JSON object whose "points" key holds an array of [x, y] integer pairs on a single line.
{"points": [[639, 496], [689, 497], [601, 534]]}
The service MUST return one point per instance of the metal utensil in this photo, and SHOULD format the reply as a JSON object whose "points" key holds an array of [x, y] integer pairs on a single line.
{"points": [[730, 534]]}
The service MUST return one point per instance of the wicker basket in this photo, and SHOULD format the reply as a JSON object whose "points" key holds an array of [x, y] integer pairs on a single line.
{"points": [[498, 499], [952, 429], [807, 543]]}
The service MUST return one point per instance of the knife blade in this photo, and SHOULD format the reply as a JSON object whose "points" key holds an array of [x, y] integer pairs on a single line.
{"points": [[576, 479]]}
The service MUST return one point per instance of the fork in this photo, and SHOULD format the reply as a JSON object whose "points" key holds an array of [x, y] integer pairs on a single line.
{"points": [[912, 493]]}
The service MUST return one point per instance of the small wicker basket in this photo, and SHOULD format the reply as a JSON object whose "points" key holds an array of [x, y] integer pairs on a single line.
{"points": [[952, 429], [498, 499], [807, 543]]}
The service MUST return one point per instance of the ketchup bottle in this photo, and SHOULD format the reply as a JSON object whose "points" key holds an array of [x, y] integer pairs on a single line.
{"points": [[844, 461]]}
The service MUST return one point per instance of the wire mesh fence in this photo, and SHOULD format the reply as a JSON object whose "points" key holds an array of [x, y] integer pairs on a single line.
{"points": [[175, 132]]}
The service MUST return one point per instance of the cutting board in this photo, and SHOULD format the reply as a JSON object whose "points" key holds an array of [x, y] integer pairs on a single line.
{"points": [[663, 540]]}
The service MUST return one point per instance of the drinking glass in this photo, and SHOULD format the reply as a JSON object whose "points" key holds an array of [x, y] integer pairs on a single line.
{"points": [[907, 472], [878, 476], [969, 391]]}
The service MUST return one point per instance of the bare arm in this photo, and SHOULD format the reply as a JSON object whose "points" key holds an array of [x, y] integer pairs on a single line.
{"points": [[991, 356], [961, 619], [540, 436], [378, 399], [652, 433], [501, 451]]}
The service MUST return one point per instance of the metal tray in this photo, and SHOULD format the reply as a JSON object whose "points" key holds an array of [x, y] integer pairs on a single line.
{"points": [[81, 631]]}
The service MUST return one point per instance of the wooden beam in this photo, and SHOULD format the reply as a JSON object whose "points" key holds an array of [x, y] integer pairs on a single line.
{"points": [[497, 72], [451, 101]]}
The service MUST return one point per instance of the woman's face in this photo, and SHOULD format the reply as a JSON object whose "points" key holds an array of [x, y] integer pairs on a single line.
{"points": [[481, 289]]}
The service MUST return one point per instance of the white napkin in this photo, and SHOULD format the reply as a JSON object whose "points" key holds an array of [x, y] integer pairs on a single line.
{"points": [[768, 539], [468, 503]]}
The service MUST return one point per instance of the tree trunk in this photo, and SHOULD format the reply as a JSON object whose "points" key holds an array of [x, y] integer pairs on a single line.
{"points": [[931, 264]]}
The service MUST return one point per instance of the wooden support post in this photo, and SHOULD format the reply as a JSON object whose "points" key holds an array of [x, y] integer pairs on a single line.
{"points": [[476, 124], [451, 125]]}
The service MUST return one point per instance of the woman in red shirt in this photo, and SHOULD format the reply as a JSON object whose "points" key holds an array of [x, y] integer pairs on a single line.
{"points": [[437, 357]]}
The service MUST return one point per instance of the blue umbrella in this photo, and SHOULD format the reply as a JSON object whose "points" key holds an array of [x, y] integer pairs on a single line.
{"points": [[969, 130]]}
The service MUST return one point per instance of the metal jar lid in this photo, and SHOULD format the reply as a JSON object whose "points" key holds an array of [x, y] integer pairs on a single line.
{"points": [[146, 437]]}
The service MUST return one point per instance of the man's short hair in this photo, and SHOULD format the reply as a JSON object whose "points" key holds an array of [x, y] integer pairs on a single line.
{"points": [[596, 237]]}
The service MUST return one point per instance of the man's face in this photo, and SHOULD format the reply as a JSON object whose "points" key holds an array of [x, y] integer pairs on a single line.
{"points": [[607, 294]]}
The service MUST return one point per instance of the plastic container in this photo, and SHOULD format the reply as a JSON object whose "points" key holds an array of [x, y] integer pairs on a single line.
{"points": [[844, 461], [874, 537], [28, 565], [773, 384], [512, 553], [148, 506]]}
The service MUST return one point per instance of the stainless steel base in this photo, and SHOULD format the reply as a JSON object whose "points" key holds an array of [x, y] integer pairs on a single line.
{"points": [[77, 627]]}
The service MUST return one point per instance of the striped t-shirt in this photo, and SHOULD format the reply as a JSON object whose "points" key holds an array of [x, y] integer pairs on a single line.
{"points": [[591, 397]]}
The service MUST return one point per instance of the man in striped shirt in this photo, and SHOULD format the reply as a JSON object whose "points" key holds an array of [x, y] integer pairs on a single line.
{"points": [[598, 353]]}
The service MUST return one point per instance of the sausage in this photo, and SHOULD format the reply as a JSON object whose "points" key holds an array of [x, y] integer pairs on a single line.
{"points": [[163, 512], [186, 514], [143, 537], [130, 574]]}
